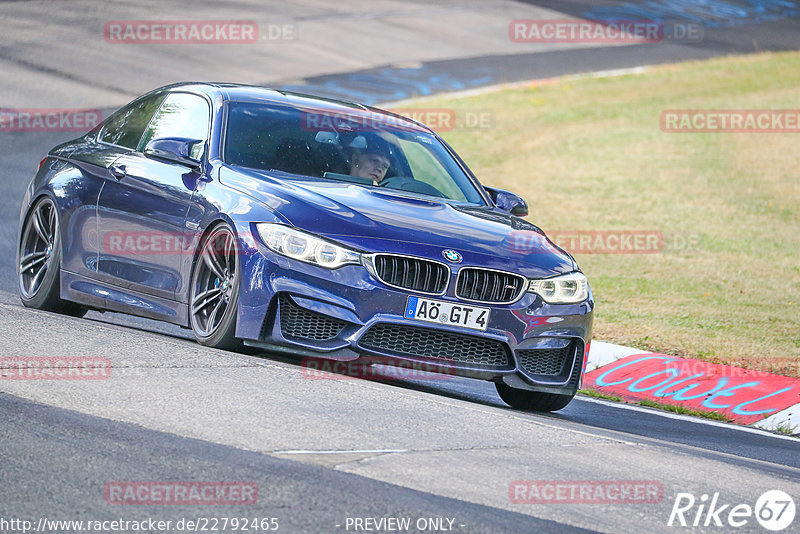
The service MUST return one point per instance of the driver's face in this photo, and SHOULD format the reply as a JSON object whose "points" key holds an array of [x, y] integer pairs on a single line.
{"points": [[370, 166]]}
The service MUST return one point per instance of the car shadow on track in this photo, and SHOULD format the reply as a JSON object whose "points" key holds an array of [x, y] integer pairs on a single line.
{"points": [[444, 385], [459, 388], [605, 417]]}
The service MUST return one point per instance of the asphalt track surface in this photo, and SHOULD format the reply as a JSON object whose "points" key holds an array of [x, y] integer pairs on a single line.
{"points": [[324, 450]]}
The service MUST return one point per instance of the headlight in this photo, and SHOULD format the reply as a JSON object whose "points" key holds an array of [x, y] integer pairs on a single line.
{"points": [[565, 289], [305, 247]]}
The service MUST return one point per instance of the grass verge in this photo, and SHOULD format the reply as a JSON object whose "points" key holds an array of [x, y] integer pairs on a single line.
{"points": [[589, 155], [598, 395], [787, 429], [684, 411], [662, 406]]}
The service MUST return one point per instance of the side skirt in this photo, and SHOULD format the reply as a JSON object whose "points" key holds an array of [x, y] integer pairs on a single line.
{"points": [[102, 296]]}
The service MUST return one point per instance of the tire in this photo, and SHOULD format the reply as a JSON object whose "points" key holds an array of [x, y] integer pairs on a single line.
{"points": [[39, 265], [214, 295], [534, 401]]}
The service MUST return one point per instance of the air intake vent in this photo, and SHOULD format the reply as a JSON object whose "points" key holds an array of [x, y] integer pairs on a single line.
{"points": [[577, 369], [483, 285], [429, 343], [556, 364], [548, 362], [415, 274], [299, 323]]}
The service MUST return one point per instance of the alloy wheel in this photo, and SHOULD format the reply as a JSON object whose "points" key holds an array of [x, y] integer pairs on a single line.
{"points": [[214, 282], [39, 239]]}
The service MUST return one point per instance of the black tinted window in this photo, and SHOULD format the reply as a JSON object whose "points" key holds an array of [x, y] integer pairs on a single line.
{"points": [[182, 115], [126, 126]]}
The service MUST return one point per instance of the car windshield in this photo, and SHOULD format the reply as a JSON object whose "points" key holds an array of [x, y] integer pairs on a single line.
{"points": [[360, 147]]}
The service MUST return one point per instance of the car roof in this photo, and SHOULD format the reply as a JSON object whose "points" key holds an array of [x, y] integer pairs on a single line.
{"points": [[232, 92]]}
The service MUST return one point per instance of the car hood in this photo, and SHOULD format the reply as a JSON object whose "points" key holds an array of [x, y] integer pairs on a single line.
{"points": [[387, 221]]}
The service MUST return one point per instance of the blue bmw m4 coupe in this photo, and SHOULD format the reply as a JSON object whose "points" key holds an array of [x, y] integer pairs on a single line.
{"points": [[300, 224]]}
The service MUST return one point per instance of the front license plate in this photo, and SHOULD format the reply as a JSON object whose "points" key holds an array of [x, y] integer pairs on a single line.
{"points": [[437, 311]]}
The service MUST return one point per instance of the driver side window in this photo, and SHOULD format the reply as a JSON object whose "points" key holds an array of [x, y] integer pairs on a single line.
{"points": [[181, 115]]}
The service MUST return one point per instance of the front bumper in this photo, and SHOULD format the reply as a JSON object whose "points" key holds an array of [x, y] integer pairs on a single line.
{"points": [[346, 313]]}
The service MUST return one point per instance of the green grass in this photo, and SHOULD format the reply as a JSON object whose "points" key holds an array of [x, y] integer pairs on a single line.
{"points": [[716, 416], [598, 395], [589, 154], [786, 428]]}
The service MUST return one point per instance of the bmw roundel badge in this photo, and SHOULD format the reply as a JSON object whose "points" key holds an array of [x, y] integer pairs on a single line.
{"points": [[451, 255]]}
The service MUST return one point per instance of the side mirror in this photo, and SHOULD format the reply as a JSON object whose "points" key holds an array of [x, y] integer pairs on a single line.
{"points": [[508, 201], [175, 149]]}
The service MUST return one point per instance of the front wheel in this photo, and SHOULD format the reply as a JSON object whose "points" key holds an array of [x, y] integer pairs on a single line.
{"points": [[215, 290], [38, 271], [535, 401]]}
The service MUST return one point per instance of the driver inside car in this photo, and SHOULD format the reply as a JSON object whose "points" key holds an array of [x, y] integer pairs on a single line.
{"points": [[373, 161]]}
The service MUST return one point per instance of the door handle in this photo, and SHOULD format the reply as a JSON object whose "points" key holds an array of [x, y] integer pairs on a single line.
{"points": [[118, 171]]}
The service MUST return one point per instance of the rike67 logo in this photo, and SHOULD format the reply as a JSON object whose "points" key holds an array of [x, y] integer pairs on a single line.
{"points": [[774, 510]]}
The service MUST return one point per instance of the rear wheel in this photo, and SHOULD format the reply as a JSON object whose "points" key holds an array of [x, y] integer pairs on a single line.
{"points": [[215, 290], [38, 271], [535, 401]]}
